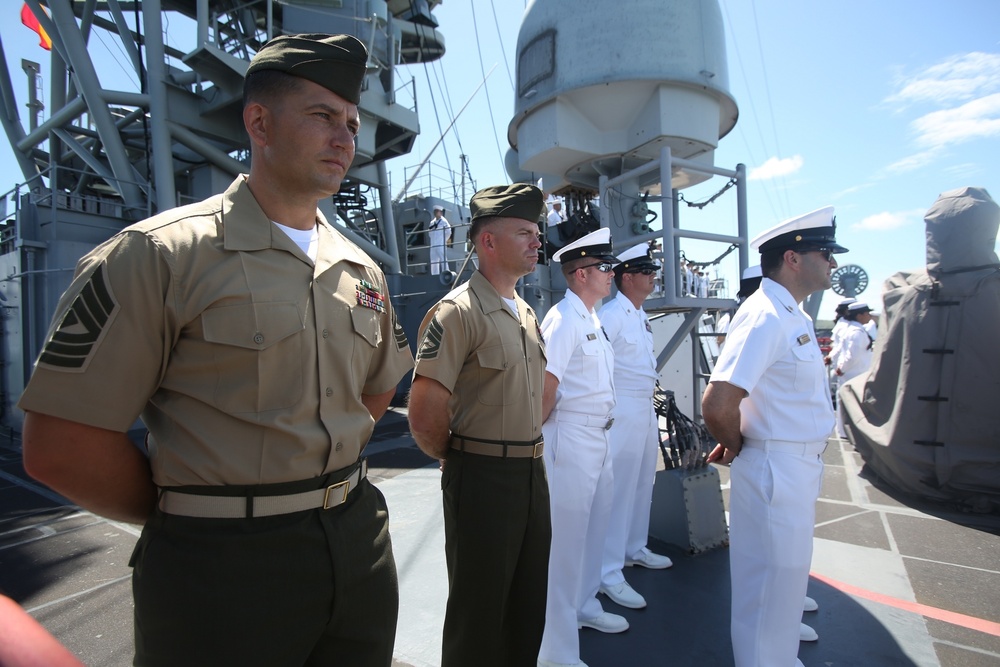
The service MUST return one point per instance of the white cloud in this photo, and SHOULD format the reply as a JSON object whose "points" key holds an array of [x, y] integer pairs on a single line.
{"points": [[956, 79], [958, 99], [886, 220], [912, 162], [973, 120], [775, 167]]}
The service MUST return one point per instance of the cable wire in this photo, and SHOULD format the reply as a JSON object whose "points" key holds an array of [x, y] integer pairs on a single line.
{"points": [[482, 70]]}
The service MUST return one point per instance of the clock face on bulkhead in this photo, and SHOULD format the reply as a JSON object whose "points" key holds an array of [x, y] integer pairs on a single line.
{"points": [[849, 280]]}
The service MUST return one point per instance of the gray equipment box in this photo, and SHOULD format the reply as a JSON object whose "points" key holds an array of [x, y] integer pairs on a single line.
{"points": [[688, 510]]}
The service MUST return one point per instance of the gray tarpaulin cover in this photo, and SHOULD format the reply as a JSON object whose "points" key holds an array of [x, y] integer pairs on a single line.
{"points": [[927, 417]]}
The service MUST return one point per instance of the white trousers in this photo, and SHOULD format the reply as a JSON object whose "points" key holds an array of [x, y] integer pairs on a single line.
{"points": [[438, 263], [772, 512], [841, 381], [633, 440], [840, 418], [578, 466]]}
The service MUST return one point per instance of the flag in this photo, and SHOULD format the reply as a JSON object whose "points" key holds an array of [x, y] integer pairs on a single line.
{"points": [[28, 18]]}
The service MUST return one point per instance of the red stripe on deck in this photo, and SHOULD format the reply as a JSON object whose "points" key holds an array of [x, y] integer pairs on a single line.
{"points": [[970, 622]]}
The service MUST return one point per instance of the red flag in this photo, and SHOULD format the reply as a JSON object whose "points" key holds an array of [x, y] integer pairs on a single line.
{"points": [[28, 18]]}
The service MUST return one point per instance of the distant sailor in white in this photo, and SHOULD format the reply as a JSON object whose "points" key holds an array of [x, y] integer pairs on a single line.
{"points": [[439, 229]]}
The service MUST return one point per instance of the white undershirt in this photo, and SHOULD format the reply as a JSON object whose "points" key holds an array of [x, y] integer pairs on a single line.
{"points": [[306, 239], [512, 304]]}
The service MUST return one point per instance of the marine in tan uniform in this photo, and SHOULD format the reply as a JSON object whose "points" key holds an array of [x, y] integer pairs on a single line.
{"points": [[476, 402], [260, 348]]}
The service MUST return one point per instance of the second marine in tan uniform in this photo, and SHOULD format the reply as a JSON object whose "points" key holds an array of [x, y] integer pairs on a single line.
{"points": [[476, 402]]}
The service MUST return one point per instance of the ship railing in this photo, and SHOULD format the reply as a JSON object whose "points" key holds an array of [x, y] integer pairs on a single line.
{"points": [[674, 297], [50, 203], [416, 241]]}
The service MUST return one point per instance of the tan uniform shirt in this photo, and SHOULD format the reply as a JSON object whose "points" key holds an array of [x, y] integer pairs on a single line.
{"points": [[245, 359], [473, 345]]}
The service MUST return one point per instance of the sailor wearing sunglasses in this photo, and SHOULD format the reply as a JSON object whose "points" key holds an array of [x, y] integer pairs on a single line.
{"points": [[634, 436], [577, 406], [768, 405]]}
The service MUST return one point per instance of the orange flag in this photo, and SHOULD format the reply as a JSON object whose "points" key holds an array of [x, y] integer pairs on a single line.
{"points": [[28, 19]]}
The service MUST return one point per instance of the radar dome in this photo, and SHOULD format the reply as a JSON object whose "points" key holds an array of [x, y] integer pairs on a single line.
{"points": [[601, 87]]}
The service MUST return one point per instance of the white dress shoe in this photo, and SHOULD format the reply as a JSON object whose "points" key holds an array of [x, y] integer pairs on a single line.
{"points": [[809, 604], [624, 595], [546, 663], [648, 559], [606, 622], [807, 634]]}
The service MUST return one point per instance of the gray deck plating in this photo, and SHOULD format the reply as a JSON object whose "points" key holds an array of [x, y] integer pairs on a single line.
{"points": [[898, 582]]}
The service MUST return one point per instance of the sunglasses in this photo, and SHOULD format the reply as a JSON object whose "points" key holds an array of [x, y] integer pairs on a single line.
{"points": [[646, 272], [603, 267], [826, 253]]}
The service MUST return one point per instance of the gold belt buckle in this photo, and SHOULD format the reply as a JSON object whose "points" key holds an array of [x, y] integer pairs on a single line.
{"points": [[539, 447], [346, 484]]}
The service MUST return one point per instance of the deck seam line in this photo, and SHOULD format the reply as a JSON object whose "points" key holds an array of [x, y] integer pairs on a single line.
{"points": [[66, 598]]}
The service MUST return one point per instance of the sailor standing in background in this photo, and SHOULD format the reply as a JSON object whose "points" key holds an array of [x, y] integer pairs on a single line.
{"points": [[556, 216], [768, 405], [634, 437], [839, 325], [854, 354], [749, 283], [577, 404], [871, 326], [437, 237]]}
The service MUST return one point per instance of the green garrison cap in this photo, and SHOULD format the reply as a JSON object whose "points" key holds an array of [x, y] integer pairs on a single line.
{"points": [[336, 62], [519, 200]]}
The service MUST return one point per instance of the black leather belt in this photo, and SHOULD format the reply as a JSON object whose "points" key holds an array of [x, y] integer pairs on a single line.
{"points": [[508, 449]]}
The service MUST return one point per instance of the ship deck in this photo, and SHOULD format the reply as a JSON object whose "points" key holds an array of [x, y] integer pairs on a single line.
{"points": [[898, 581]]}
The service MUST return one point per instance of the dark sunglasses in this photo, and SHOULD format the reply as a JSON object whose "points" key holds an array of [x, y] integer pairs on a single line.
{"points": [[646, 272], [603, 267], [825, 252]]}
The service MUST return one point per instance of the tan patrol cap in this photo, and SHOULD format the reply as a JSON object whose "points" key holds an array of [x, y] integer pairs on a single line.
{"points": [[336, 62]]}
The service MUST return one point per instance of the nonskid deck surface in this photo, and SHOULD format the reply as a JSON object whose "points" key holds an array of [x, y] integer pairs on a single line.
{"points": [[898, 582]]}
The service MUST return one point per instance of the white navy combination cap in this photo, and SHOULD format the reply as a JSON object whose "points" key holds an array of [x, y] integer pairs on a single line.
{"points": [[859, 307], [636, 258], [844, 303], [750, 281], [813, 231], [596, 245]]}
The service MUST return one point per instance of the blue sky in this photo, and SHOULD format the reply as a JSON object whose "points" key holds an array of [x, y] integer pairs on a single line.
{"points": [[874, 107]]}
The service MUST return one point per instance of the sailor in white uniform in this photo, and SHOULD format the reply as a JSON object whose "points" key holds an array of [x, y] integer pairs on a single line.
{"points": [[749, 283], [578, 404], [556, 216], [437, 237], [635, 434], [839, 326], [768, 405], [854, 354]]}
